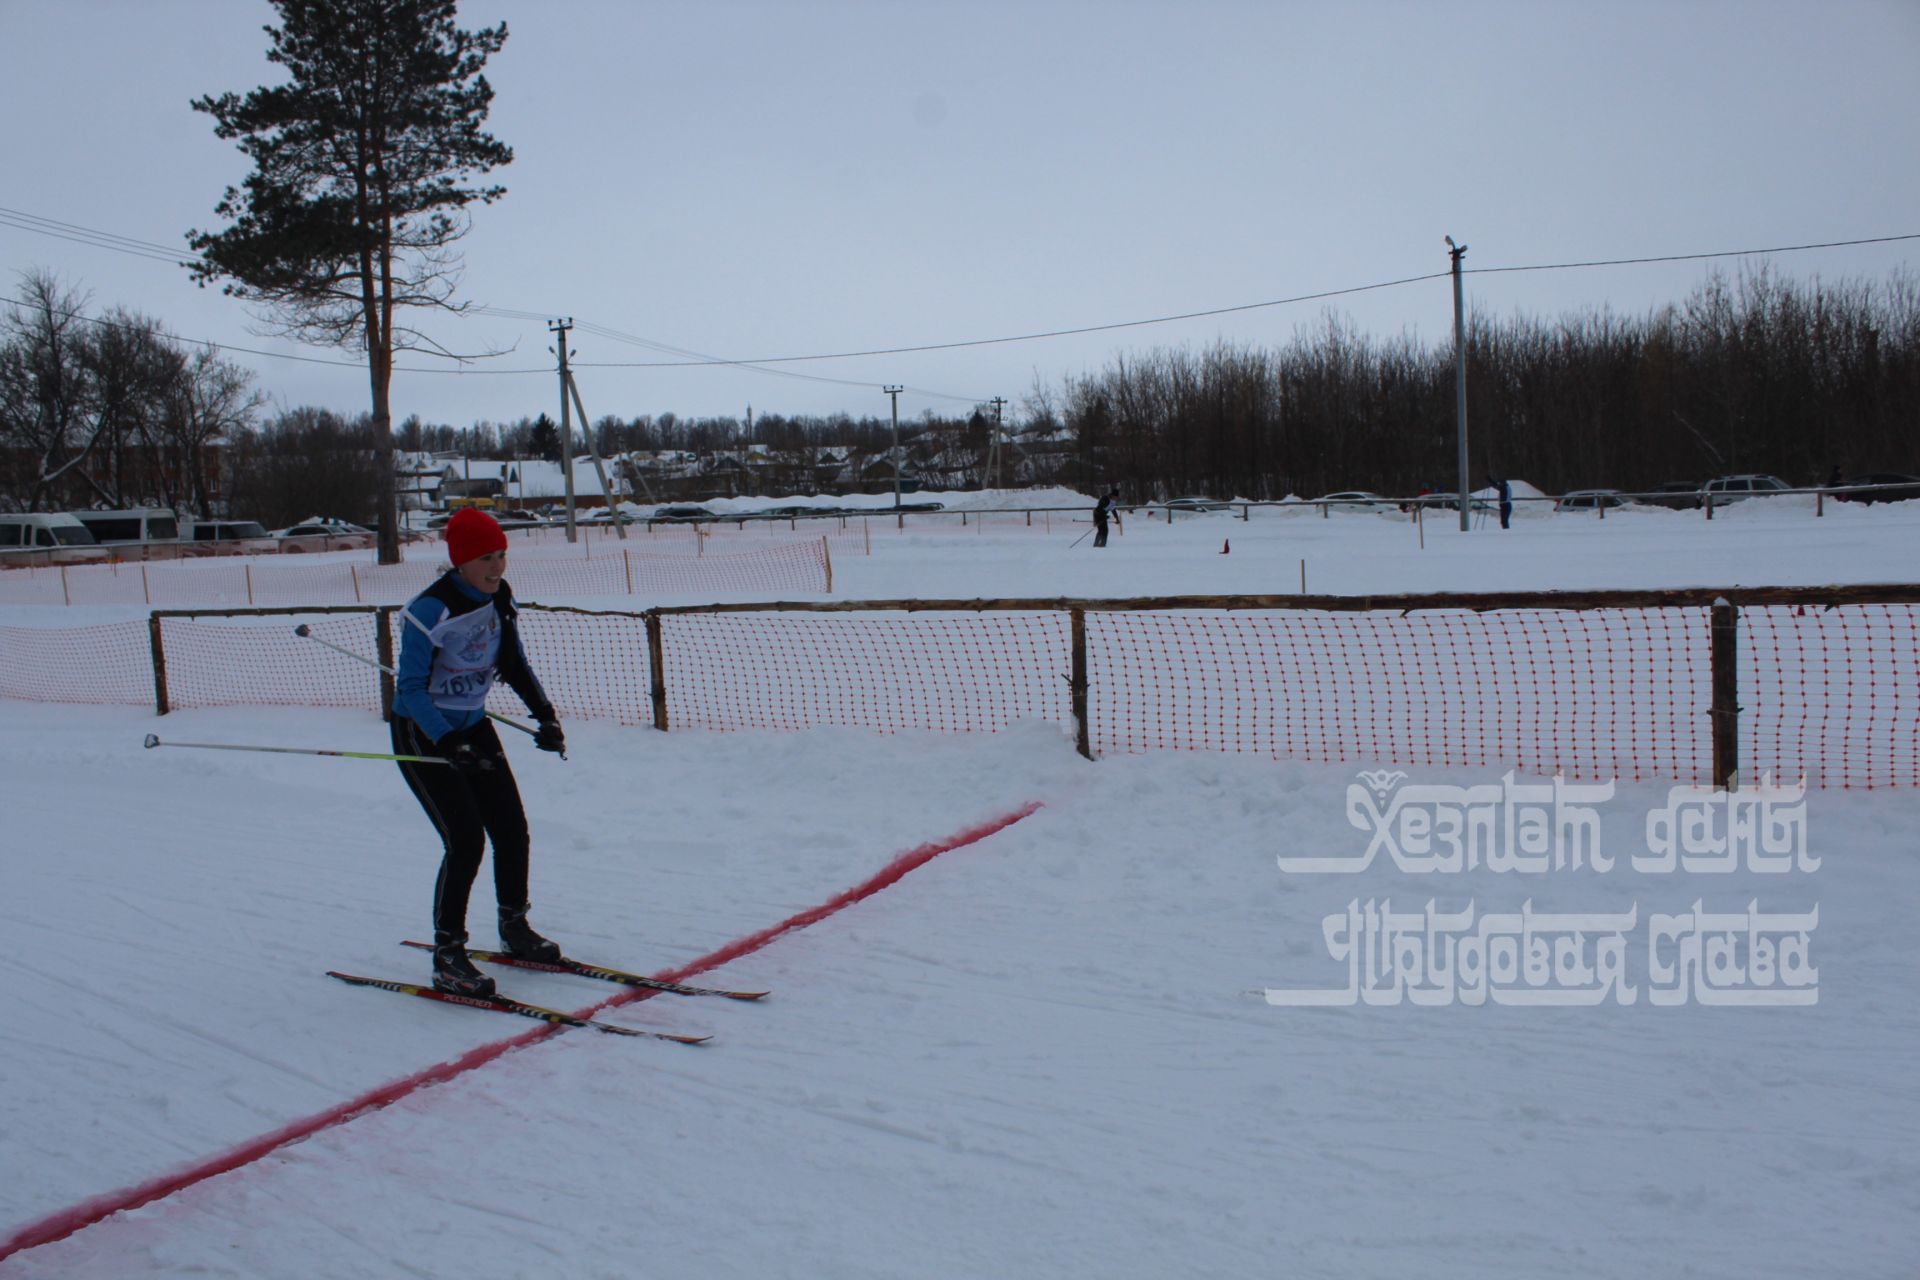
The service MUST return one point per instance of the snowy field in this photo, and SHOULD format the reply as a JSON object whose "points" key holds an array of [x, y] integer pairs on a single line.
{"points": [[1047, 1052]]}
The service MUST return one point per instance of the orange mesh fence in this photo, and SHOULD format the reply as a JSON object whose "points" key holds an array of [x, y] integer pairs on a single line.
{"points": [[258, 661], [1593, 694], [590, 664], [111, 663], [886, 671], [1831, 695], [596, 569]]}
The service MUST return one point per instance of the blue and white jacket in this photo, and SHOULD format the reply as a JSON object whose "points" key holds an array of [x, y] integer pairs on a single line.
{"points": [[454, 641]]}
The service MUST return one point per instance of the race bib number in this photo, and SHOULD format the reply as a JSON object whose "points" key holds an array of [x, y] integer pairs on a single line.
{"points": [[467, 649]]}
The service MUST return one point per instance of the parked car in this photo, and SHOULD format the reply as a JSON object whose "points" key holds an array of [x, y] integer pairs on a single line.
{"points": [[1909, 487], [1677, 495], [227, 538], [1445, 501], [1357, 500], [1196, 504], [1725, 489], [56, 536], [682, 513], [320, 534], [1589, 500], [131, 525], [517, 518]]}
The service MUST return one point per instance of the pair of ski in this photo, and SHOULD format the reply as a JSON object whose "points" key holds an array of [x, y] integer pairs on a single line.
{"points": [[506, 1004]]}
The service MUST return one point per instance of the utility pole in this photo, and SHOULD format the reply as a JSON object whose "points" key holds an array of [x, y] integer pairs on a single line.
{"points": [[599, 465], [993, 451], [1457, 252], [895, 393], [566, 420]]}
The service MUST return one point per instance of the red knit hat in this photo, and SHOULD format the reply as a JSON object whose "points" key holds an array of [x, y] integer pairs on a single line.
{"points": [[473, 533]]}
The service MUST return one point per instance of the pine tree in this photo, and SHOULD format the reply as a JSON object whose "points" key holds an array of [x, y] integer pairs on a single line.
{"points": [[364, 164], [545, 439]]}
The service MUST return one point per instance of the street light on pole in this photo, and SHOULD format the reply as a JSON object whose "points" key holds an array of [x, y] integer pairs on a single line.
{"points": [[895, 393]]}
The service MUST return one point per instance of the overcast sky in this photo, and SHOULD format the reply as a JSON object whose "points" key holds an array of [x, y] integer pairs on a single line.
{"points": [[750, 180]]}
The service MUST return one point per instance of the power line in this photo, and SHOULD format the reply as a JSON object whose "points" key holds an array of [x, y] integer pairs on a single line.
{"points": [[1281, 302], [151, 250], [93, 238], [1690, 257], [97, 240], [700, 358], [252, 351], [1050, 333]]}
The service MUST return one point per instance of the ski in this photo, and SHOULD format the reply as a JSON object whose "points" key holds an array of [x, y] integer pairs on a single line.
{"points": [[505, 1004], [564, 965]]}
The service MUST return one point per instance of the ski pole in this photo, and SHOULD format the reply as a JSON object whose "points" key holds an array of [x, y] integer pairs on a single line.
{"points": [[305, 632], [153, 740], [1077, 541]]}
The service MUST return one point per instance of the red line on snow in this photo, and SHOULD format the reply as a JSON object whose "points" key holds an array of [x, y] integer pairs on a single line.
{"points": [[58, 1226]]}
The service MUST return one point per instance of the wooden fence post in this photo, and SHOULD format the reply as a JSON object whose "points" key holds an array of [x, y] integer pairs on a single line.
{"points": [[826, 554], [1725, 630], [1077, 682], [657, 663], [383, 645], [159, 665]]}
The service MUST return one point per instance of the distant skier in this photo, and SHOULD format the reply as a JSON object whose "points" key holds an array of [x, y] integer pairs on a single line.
{"points": [[455, 637], [1108, 508], [1505, 491]]}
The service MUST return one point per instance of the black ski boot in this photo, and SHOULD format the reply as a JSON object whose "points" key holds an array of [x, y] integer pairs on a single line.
{"points": [[453, 970], [518, 937]]}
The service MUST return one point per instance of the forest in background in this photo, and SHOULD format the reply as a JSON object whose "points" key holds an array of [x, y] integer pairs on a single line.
{"points": [[1754, 373]]}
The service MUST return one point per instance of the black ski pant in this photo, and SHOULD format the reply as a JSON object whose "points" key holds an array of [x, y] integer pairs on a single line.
{"points": [[1099, 533], [466, 813]]}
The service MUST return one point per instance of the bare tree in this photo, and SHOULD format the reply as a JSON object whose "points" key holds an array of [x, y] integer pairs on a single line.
{"points": [[43, 386]]}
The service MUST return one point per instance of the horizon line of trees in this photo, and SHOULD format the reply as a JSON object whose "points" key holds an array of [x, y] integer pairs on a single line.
{"points": [[1757, 373]]}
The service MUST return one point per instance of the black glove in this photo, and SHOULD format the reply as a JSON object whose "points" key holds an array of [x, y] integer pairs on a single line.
{"points": [[550, 738], [458, 750]]}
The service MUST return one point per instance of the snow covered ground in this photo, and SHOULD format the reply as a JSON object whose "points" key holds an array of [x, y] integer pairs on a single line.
{"points": [[1044, 1053]]}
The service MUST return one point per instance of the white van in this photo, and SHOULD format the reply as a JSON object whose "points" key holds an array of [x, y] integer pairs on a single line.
{"points": [[42, 537], [134, 524]]}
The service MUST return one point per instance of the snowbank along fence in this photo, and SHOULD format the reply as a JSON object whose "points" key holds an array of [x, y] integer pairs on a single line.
{"points": [[1690, 685]]}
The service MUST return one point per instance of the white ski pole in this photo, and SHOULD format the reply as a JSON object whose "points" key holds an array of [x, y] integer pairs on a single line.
{"points": [[305, 632], [153, 740]]}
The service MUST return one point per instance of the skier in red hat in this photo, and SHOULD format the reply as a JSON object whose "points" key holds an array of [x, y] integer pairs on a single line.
{"points": [[456, 637]]}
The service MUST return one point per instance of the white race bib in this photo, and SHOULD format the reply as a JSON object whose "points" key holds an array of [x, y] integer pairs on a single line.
{"points": [[466, 650]]}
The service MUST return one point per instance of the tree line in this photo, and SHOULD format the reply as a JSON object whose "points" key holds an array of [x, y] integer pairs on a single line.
{"points": [[1757, 373]]}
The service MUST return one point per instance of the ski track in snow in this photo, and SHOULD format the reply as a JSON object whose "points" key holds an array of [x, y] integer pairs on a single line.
{"points": [[1039, 1055]]}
